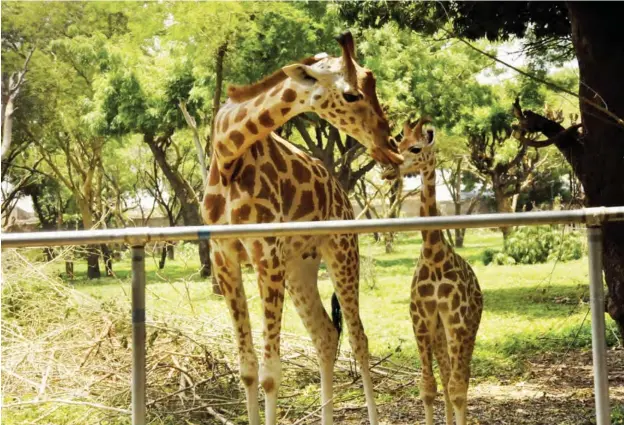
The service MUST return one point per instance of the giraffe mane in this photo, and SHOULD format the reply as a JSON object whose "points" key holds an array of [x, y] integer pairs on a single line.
{"points": [[245, 92]]}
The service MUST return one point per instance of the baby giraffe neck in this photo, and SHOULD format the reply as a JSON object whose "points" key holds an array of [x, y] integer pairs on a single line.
{"points": [[428, 206]]}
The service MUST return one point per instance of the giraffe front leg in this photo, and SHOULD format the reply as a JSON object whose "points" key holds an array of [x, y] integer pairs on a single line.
{"points": [[227, 273], [271, 282], [302, 276], [342, 258], [424, 328]]}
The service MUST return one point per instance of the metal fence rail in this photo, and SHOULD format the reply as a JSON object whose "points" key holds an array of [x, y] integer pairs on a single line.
{"points": [[138, 237]]}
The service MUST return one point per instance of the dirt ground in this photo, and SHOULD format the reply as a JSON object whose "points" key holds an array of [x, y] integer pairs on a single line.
{"points": [[554, 392]]}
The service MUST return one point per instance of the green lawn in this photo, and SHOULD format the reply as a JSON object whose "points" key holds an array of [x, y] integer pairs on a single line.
{"points": [[528, 308]]}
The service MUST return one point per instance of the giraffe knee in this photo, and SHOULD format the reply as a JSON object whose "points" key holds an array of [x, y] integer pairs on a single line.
{"points": [[247, 380], [428, 387], [248, 370], [268, 384], [270, 375], [459, 401], [428, 398]]}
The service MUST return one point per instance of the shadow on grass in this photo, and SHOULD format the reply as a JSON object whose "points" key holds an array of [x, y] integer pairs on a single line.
{"points": [[122, 275], [543, 302]]}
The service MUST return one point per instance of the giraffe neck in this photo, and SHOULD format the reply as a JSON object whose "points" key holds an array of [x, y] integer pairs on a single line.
{"points": [[239, 125], [429, 208]]}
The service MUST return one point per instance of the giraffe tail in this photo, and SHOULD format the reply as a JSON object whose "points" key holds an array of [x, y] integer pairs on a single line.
{"points": [[336, 314]]}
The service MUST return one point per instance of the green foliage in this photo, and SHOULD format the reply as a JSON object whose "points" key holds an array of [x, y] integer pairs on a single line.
{"points": [[537, 244], [617, 414], [416, 76]]}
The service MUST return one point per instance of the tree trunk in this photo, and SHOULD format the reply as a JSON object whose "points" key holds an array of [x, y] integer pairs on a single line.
{"points": [[7, 127], [93, 262], [370, 217], [69, 269], [189, 204], [503, 205], [107, 256], [596, 29], [93, 253], [389, 242], [163, 257], [459, 238]]}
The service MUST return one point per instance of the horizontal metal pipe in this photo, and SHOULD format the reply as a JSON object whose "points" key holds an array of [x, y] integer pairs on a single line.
{"points": [[142, 235]]}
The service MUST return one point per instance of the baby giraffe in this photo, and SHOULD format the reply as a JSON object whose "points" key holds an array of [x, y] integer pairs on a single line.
{"points": [[446, 301]]}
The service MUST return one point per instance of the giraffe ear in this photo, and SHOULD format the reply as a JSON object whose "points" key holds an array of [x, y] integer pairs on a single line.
{"points": [[430, 136], [304, 74], [407, 129]]}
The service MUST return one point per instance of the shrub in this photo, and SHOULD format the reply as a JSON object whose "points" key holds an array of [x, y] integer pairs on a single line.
{"points": [[488, 256], [531, 245]]}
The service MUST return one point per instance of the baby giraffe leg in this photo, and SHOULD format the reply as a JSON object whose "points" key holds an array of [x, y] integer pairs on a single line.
{"points": [[440, 350], [461, 353], [301, 277], [342, 258], [227, 273], [424, 340]]}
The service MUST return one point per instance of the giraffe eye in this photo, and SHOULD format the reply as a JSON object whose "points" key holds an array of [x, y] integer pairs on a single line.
{"points": [[351, 97], [415, 149]]}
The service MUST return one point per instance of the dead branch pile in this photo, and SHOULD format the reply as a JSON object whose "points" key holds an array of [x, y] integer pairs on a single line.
{"points": [[66, 358]]}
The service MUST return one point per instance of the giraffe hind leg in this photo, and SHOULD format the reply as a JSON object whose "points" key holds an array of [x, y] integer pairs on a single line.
{"points": [[440, 351], [342, 258], [302, 276], [460, 346]]}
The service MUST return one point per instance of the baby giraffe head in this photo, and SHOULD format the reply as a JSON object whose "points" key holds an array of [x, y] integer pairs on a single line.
{"points": [[416, 147]]}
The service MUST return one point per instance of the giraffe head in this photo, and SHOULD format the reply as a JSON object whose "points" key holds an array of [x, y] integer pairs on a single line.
{"points": [[417, 149], [342, 92]]}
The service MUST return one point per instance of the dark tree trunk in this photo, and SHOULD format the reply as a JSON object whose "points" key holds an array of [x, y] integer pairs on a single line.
{"points": [[69, 269], [189, 204], [598, 39], [107, 255], [93, 262], [459, 238], [163, 257], [170, 251], [370, 217]]}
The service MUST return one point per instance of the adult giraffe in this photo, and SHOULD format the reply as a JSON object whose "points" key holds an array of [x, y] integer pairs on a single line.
{"points": [[257, 177], [446, 301]]}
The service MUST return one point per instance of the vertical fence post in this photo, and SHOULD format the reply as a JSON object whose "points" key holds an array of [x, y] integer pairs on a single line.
{"points": [[599, 346], [138, 335]]}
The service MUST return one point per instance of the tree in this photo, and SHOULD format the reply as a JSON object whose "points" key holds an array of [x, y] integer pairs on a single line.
{"points": [[506, 168], [457, 175], [556, 31]]}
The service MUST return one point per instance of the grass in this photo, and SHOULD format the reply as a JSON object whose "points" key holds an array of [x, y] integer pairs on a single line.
{"points": [[529, 309]]}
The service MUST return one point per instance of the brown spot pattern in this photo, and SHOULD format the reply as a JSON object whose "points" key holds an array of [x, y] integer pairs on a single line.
{"points": [[425, 290], [306, 205], [265, 119], [289, 95], [215, 206], [242, 112], [277, 159], [248, 179], [300, 172], [237, 137], [251, 127]]}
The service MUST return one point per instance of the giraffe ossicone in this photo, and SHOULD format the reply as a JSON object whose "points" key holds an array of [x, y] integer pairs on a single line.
{"points": [[257, 177], [446, 301]]}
